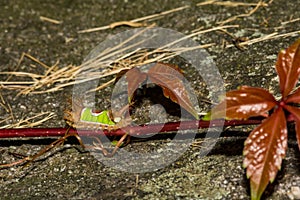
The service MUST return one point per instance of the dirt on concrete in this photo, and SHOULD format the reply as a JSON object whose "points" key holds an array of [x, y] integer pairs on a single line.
{"points": [[69, 172]]}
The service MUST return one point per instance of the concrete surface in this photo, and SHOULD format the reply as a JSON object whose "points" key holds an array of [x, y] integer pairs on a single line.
{"points": [[69, 173]]}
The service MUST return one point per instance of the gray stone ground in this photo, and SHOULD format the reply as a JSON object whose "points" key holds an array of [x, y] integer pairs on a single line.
{"points": [[69, 173]]}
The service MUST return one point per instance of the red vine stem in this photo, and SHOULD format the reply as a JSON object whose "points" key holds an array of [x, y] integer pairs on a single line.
{"points": [[132, 130]]}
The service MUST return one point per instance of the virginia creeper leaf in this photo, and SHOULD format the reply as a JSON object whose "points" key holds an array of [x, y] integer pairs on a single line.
{"points": [[288, 68], [134, 78], [264, 150], [296, 113], [294, 97], [170, 80], [244, 103]]}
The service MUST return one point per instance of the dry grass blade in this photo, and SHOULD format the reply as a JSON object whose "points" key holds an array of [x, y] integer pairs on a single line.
{"points": [[104, 85], [24, 74], [228, 3], [36, 60], [3, 103], [111, 61], [108, 62], [4, 120], [4, 107], [18, 84], [31, 121], [47, 19], [134, 22], [290, 21], [271, 36], [127, 23], [21, 60], [51, 78], [7, 108], [258, 5]]}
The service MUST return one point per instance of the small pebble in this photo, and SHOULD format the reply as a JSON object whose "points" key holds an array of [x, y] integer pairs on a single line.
{"points": [[295, 191]]}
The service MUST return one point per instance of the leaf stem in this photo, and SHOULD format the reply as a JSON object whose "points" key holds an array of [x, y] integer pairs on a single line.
{"points": [[132, 130]]}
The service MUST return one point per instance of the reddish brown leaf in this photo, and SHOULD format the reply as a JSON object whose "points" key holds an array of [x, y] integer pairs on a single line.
{"points": [[264, 150], [134, 78], [296, 113], [294, 97], [120, 75], [170, 79], [244, 103], [288, 68]]}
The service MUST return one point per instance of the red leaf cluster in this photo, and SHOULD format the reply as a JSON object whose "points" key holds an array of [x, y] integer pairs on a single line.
{"points": [[267, 144], [169, 78]]}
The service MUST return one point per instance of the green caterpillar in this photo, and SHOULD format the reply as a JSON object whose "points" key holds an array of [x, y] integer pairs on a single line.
{"points": [[101, 118], [89, 118]]}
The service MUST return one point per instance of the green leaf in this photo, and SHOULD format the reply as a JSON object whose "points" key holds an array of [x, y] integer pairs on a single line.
{"points": [[115, 142], [244, 103], [169, 78], [264, 150], [207, 117]]}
